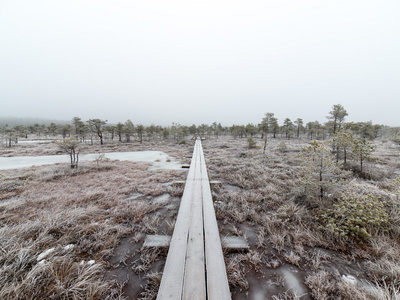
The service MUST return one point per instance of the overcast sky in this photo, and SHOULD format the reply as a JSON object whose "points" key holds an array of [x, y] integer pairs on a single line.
{"points": [[200, 61]]}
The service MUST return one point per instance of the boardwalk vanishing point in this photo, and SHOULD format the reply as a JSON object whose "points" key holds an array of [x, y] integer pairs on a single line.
{"points": [[195, 267]]}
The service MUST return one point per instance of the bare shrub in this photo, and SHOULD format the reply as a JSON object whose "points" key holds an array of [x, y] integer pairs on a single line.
{"points": [[236, 272], [322, 285]]}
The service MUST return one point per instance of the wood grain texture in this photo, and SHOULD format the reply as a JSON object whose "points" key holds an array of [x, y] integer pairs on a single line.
{"points": [[195, 267]]}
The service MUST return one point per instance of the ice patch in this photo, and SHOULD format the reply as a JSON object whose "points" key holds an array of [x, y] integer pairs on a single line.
{"points": [[165, 162], [162, 199], [349, 278], [68, 247], [292, 282], [45, 253], [42, 262], [90, 262]]}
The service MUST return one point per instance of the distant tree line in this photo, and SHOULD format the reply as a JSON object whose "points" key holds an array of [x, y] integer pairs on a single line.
{"points": [[269, 127]]}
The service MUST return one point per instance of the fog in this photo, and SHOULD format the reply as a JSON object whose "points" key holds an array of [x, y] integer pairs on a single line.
{"points": [[196, 62]]}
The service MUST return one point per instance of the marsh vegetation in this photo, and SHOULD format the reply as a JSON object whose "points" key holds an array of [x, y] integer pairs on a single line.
{"points": [[320, 212]]}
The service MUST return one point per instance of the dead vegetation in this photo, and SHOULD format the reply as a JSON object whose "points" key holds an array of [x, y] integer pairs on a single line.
{"points": [[60, 227], [79, 234], [266, 194]]}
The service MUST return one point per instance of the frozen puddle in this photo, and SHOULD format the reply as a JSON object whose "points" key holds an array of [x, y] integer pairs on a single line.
{"points": [[159, 159], [292, 282], [163, 199]]}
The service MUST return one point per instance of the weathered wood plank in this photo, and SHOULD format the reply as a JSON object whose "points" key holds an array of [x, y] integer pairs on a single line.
{"points": [[217, 280], [172, 279], [195, 267], [194, 281]]}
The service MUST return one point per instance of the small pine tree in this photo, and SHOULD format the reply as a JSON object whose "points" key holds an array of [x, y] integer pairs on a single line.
{"points": [[71, 146], [362, 151], [251, 143], [355, 216], [343, 139], [319, 170]]}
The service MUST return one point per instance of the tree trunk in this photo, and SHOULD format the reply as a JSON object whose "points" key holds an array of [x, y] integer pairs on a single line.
{"points": [[337, 153], [265, 144], [321, 195], [361, 164]]}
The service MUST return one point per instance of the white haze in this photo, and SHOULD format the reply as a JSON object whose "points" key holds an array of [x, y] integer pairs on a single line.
{"points": [[200, 61]]}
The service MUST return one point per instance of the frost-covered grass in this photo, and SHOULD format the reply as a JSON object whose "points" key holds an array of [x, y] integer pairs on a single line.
{"points": [[60, 227], [269, 198]]}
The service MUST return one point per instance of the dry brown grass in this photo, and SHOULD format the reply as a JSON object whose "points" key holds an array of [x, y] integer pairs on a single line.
{"points": [[48, 207], [74, 218], [266, 194]]}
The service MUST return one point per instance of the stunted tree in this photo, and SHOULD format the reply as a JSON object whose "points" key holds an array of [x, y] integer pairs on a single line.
{"points": [[251, 130], [310, 129], [111, 129], [150, 131], [319, 170], [129, 130], [165, 132], [71, 146], [362, 151], [52, 128], [337, 116], [11, 136], [367, 130], [66, 131], [299, 123], [119, 128], [193, 129], [288, 128], [22, 131], [140, 131], [266, 126], [79, 127], [343, 140], [97, 126]]}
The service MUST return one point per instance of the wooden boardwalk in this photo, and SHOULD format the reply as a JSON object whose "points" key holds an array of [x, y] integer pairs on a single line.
{"points": [[195, 267]]}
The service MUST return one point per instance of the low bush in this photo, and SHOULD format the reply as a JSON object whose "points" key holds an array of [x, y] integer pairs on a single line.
{"points": [[356, 216]]}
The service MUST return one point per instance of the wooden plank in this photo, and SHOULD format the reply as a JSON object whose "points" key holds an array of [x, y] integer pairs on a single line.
{"points": [[194, 282], [172, 281], [195, 267], [217, 280]]}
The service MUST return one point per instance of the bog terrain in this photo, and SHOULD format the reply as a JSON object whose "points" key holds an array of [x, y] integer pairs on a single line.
{"points": [[315, 231]]}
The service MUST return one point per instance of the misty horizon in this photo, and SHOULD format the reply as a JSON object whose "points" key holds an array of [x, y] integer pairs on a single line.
{"points": [[201, 61]]}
